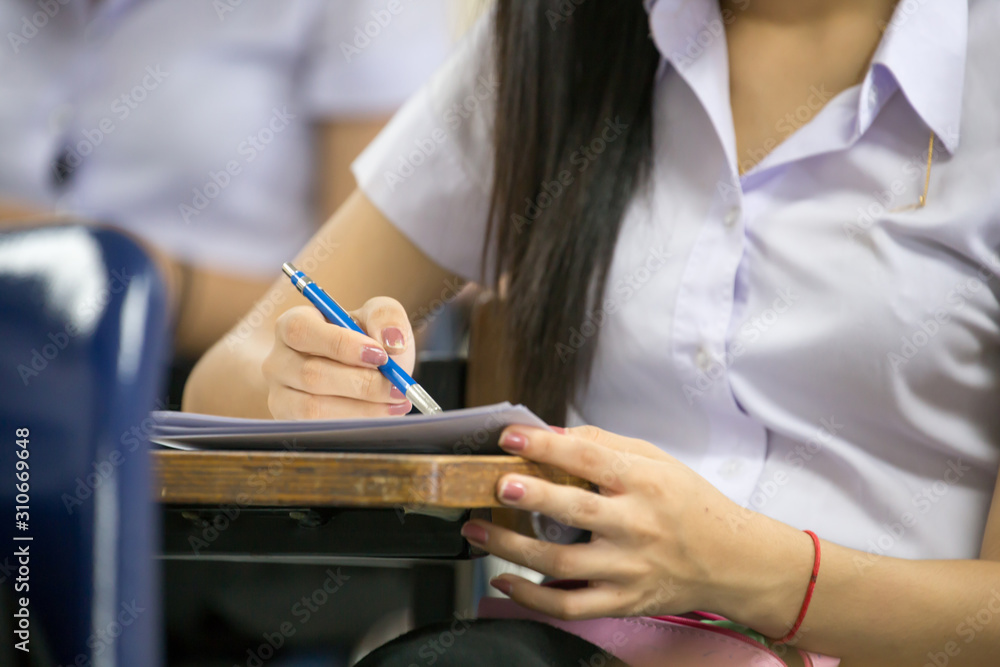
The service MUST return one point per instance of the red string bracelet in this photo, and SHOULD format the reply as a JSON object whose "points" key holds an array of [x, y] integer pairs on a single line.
{"points": [[809, 594]]}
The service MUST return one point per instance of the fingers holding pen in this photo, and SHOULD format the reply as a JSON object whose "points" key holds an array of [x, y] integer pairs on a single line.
{"points": [[386, 321], [324, 377], [305, 330], [287, 403], [317, 369]]}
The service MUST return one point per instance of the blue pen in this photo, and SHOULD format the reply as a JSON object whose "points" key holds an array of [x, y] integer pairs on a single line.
{"points": [[335, 314]]}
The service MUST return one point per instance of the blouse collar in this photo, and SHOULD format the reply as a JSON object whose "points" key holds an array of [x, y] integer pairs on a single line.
{"points": [[922, 53]]}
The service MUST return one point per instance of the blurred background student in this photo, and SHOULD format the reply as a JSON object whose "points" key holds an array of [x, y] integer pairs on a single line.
{"points": [[220, 133]]}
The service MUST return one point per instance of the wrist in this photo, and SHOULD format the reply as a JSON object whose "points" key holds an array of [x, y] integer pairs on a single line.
{"points": [[763, 583]]}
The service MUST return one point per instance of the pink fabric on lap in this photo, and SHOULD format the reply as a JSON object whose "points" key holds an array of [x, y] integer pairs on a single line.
{"points": [[654, 642]]}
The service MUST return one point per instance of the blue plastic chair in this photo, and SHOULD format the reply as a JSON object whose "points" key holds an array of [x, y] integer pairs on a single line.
{"points": [[83, 344]]}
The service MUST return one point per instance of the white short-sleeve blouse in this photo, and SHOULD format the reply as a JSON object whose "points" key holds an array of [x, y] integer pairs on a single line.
{"points": [[801, 336], [190, 122]]}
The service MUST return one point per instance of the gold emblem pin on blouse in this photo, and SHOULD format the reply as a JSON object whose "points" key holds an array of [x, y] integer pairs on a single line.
{"points": [[927, 182]]}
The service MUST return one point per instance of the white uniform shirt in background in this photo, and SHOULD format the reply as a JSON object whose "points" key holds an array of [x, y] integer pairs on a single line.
{"points": [[189, 122], [798, 337]]}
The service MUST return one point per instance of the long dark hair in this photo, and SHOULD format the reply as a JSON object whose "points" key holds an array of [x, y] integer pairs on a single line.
{"points": [[573, 141]]}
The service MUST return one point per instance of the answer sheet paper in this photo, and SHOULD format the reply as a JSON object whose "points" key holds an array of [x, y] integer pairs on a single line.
{"points": [[468, 431]]}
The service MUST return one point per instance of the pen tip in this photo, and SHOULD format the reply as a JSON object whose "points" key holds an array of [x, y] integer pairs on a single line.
{"points": [[289, 269]]}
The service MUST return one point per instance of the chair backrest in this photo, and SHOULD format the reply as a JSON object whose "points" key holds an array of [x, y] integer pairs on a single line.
{"points": [[488, 380], [488, 377], [83, 343]]}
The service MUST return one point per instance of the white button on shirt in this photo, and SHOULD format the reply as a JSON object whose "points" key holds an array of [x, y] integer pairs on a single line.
{"points": [[190, 123], [732, 217], [731, 468], [834, 361], [703, 359]]}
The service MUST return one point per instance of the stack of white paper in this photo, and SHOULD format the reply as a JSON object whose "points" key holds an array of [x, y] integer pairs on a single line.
{"points": [[469, 431]]}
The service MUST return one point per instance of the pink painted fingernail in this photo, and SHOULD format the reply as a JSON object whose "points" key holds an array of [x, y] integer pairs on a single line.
{"points": [[512, 491], [393, 337], [375, 356], [397, 409], [501, 585], [396, 393], [474, 533], [558, 429], [513, 442]]}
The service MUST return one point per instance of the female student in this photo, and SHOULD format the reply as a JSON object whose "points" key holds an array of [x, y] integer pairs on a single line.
{"points": [[756, 244]]}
